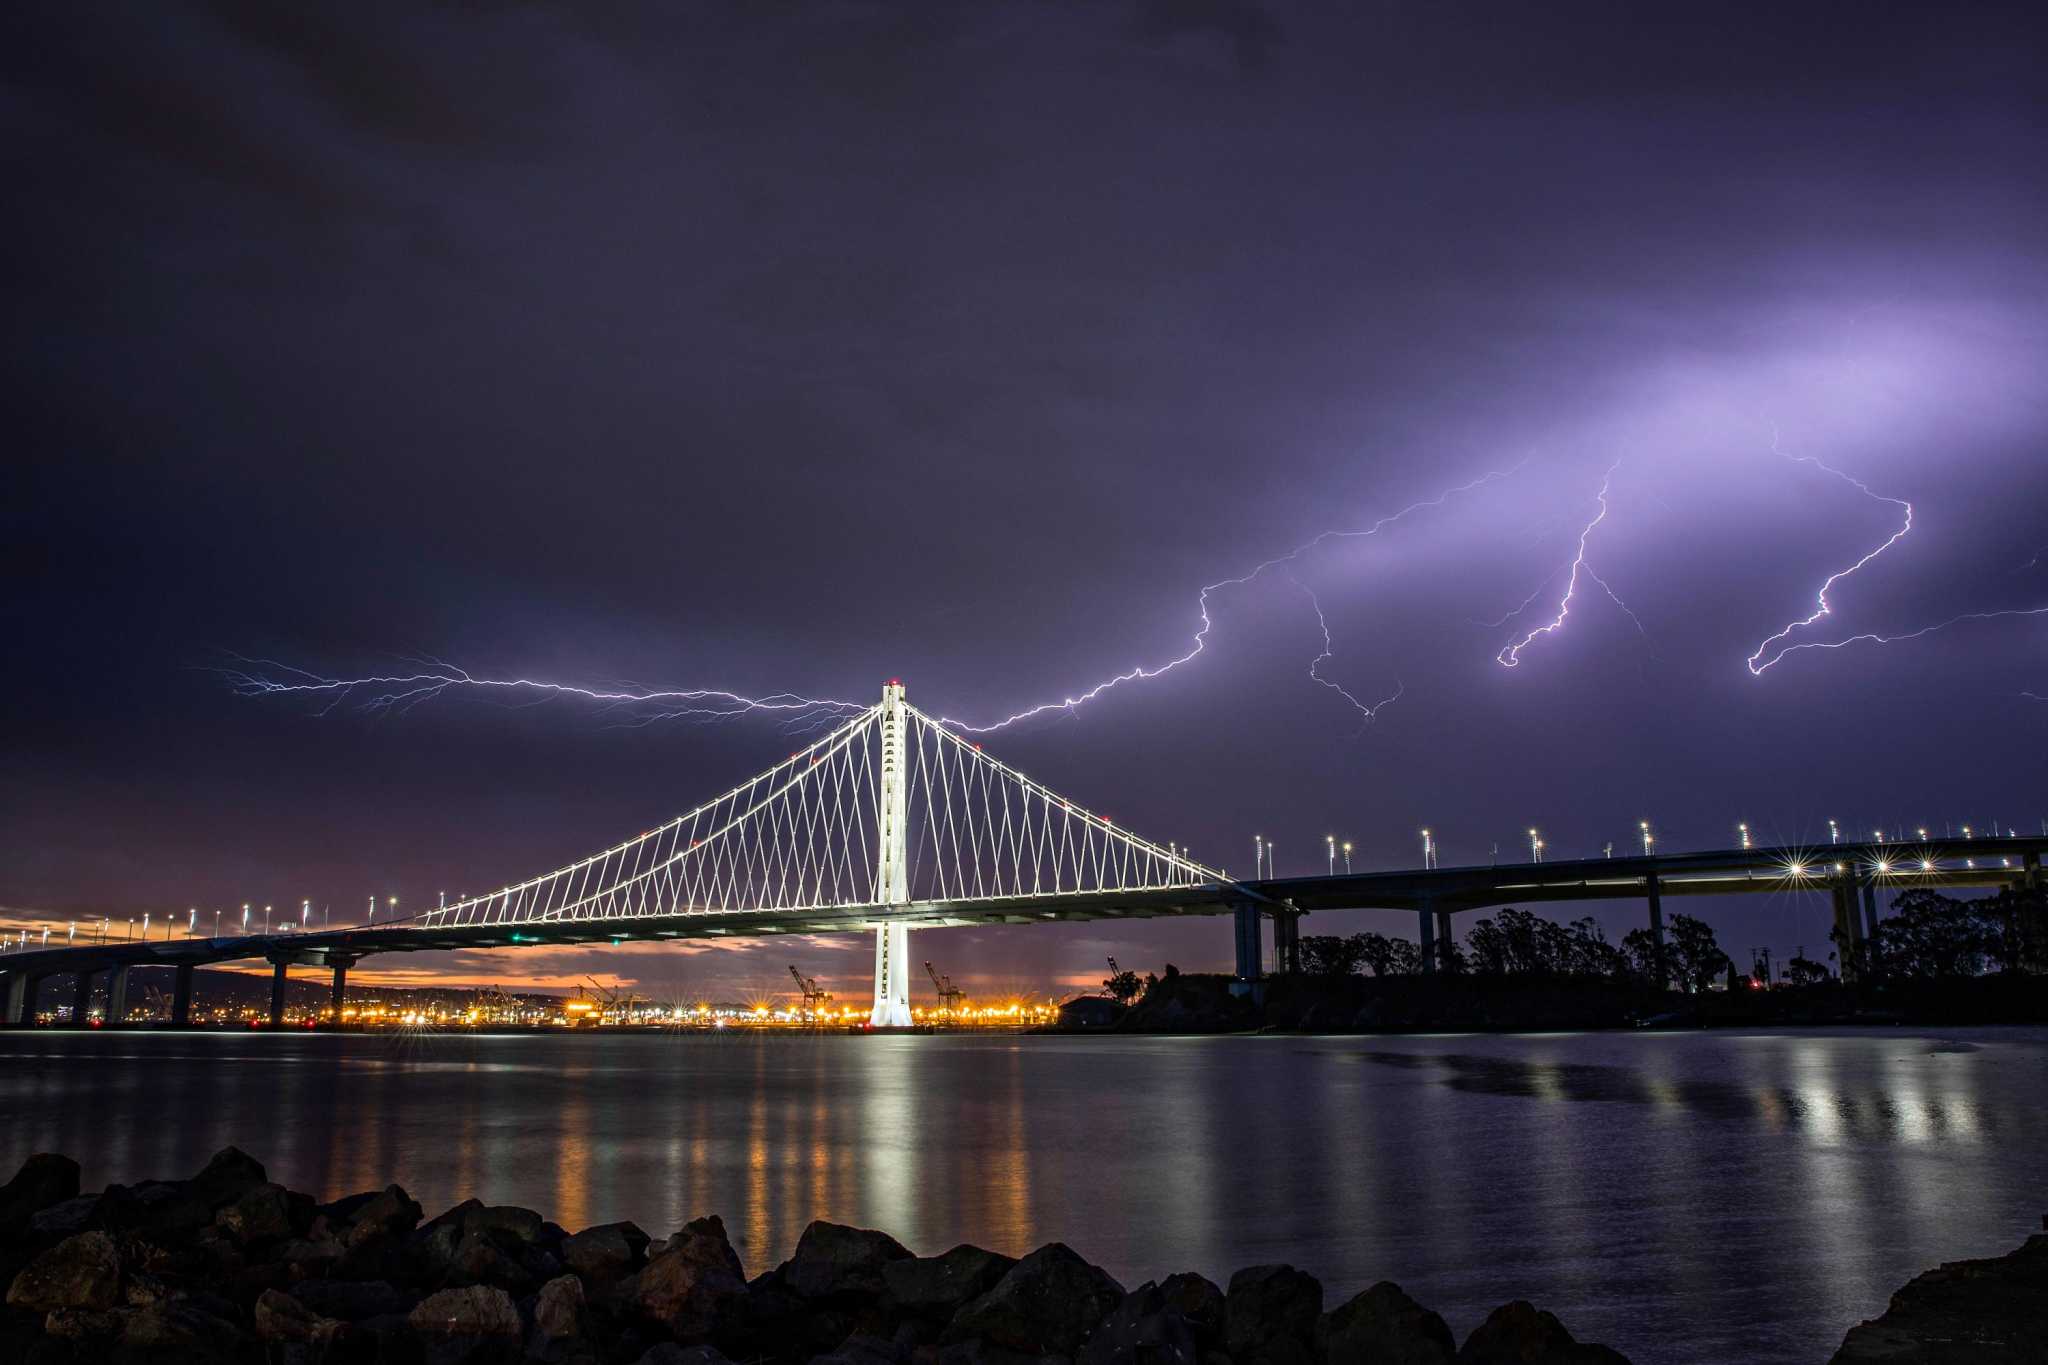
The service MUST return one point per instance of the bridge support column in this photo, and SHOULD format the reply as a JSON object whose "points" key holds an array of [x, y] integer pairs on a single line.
{"points": [[892, 884], [1445, 944], [340, 988], [1249, 968], [2030, 875], [181, 997], [1870, 911], [1425, 938], [1287, 940], [21, 999], [277, 980], [81, 999], [117, 996], [1653, 891], [1848, 931]]}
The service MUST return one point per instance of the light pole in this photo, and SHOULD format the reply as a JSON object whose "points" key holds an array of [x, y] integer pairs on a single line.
{"points": [[216, 922], [1428, 850], [1347, 857], [145, 926], [192, 922], [1330, 844], [131, 930], [1649, 839], [1535, 846], [245, 917], [1834, 833], [1258, 855], [71, 934], [1742, 828], [266, 921], [390, 907]]}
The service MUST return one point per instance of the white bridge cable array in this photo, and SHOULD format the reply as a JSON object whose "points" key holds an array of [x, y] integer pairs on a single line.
{"points": [[805, 836]]}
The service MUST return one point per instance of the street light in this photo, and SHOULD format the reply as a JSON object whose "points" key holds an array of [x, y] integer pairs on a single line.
{"points": [[1834, 833], [266, 919], [1347, 857], [245, 917], [1742, 828], [1535, 846], [1428, 850], [191, 921], [1649, 839], [1330, 845], [1258, 855]]}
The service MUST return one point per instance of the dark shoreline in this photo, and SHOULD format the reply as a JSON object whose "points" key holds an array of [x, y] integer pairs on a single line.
{"points": [[229, 1267], [1474, 1003]]}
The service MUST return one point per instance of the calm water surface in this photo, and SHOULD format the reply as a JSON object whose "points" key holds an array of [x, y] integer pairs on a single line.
{"points": [[1683, 1197]]}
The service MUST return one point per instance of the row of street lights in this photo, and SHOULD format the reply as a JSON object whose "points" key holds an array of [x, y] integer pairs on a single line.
{"points": [[1334, 848]]}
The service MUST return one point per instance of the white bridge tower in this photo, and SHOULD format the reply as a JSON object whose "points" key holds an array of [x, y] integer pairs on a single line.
{"points": [[892, 879]]}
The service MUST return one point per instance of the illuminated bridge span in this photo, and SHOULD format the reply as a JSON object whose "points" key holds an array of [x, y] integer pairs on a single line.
{"points": [[894, 821], [890, 810]]}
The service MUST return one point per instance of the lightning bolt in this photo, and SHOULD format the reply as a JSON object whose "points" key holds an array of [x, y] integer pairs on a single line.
{"points": [[1199, 641], [397, 693], [1758, 664], [1367, 714], [1511, 656], [1876, 639]]}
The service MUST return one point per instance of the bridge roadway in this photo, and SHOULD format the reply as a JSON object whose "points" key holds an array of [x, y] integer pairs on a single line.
{"points": [[1847, 873]]}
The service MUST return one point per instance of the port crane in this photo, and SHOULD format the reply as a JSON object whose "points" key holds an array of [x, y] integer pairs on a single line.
{"points": [[814, 998], [950, 995]]}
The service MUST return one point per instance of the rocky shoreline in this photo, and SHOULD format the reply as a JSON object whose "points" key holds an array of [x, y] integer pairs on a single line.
{"points": [[228, 1266]]}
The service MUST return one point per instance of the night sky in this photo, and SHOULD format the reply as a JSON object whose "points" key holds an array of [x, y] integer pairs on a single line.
{"points": [[795, 348]]}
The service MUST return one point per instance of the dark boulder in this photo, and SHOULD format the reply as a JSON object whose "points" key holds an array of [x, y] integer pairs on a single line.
{"points": [[523, 1224], [44, 1180], [1519, 1333], [66, 1219], [353, 1300], [1383, 1326], [1270, 1315], [689, 1293], [607, 1252], [1046, 1304], [387, 1212], [863, 1348], [83, 1271], [703, 1242], [668, 1353], [936, 1286], [474, 1323], [1993, 1312], [265, 1213], [231, 1174], [557, 1313], [833, 1261], [183, 1331], [1200, 1302], [279, 1317], [1144, 1329]]}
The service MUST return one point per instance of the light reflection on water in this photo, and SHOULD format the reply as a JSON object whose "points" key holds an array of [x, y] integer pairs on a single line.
{"points": [[1681, 1196]]}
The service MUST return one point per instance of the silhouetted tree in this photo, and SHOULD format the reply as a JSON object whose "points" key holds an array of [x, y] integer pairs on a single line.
{"points": [[1804, 971], [1388, 956], [1695, 958], [1639, 949], [1330, 955], [1123, 987]]}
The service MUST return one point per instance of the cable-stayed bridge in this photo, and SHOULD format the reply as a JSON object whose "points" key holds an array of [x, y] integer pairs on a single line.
{"points": [[894, 821]]}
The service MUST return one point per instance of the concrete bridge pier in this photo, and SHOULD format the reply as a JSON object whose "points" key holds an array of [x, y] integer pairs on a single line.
{"points": [[2030, 862], [81, 998], [1653, 890], [277, 979], [1848, 925], [341, 966], [1246, 920], [1870, 910], [117, 996], [1425, 937], [1445, 943], [1287, 939], [181, 996], [21, 999]]}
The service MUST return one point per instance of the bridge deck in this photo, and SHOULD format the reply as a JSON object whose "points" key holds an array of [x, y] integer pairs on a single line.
{"points": [[1762, 871]]}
